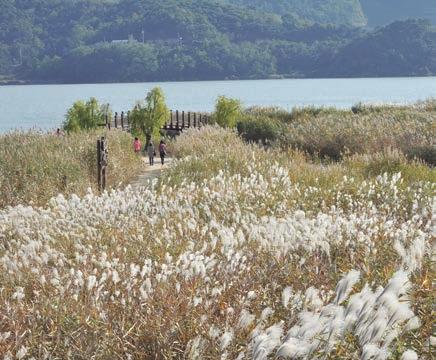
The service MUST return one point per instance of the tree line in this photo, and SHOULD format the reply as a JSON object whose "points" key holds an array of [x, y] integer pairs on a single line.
{"points": [[127, 40], [147, 117]]}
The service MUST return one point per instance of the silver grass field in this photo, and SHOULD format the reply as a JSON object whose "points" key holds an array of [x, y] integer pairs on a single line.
{"points": [[236, 252]]}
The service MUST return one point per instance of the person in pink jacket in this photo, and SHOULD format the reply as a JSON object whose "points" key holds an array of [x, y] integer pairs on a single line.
{"points": [[137, 145]]}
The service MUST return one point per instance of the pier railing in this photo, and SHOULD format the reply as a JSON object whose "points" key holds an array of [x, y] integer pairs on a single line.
{"points": [[178, 120]]}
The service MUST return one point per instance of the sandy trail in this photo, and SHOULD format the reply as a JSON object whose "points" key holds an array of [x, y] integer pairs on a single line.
{"points": [[149, 172]]}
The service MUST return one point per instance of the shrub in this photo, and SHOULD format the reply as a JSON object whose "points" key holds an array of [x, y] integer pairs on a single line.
{"points": [[260, 129], [227, 112], [424, 153], [85, 115]]}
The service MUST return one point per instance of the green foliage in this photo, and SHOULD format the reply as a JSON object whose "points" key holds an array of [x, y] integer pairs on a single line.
{"points": [[79, 41], [227, 111], [330, 133], [425, 153], [85, 115], [260, 129], [148, 118], [327, 11], [404, 47]]}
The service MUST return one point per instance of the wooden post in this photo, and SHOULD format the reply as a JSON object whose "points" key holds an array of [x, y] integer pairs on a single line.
{"points": [[99, 164], [116, 120], [64, 182], [102, 160], [106, 120], [183, 120], [201, 122], [167, 124], [195, 119], [189, 119], [177, 119], [122, 120]]}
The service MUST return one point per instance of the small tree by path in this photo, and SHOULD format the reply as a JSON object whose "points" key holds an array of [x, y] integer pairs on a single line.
{"points": [[227, 111], [85, 115], [148, 117]]}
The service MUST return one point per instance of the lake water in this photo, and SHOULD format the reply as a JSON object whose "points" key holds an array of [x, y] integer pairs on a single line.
{"points": [[44, 106]]}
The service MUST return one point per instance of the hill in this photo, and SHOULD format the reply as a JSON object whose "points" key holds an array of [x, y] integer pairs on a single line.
{"points": [[348, 12], [383, 12], [339, 12], [127, 40], [387, 52]]}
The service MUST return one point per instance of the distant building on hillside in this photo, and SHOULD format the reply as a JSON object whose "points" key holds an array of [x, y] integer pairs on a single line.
{"points": [[124, 41], [120, 41]]}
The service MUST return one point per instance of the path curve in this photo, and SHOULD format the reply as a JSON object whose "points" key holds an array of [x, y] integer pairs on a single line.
{"points": [[149, 173]]}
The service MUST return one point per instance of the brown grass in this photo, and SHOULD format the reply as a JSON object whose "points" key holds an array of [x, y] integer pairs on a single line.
{"points": [[36, 166]]}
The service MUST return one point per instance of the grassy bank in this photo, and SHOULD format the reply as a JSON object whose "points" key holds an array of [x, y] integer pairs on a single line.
{"points": [[237, 253], [35, 166], [332, 133]]}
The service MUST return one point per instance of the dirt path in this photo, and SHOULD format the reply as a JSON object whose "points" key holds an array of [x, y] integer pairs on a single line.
{"points": [[149, 172]]}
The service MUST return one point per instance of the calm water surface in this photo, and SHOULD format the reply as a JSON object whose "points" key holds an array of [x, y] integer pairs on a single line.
{"points": [[44, 106]]}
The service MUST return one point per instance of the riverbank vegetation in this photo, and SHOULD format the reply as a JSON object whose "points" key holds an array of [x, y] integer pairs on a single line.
{"points": [[37, 166], [86, 115], [238, 252], [148, 117], [329, 133]]}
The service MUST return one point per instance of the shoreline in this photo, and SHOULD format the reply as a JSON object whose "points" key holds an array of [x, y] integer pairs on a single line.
{"points": [[18, 82]]}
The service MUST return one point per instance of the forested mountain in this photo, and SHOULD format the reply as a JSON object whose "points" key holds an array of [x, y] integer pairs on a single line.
{"points": [[144, 40], [383, 12], [349, 12], [345, 12], [406, 47]]}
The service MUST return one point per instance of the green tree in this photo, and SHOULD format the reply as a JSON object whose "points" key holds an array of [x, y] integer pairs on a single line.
{"points": [[148, 118], [85, 115], [227, 111]]}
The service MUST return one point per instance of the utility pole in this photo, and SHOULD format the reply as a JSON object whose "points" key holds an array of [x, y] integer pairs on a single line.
{"points": [[20, 52]]}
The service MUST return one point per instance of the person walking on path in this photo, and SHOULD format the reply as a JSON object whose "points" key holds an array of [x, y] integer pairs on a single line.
{"points": [[162, 151], [137, 145], [151, 153]]}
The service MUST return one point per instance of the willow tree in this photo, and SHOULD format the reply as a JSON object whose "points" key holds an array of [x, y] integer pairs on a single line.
{"points": [[148, 117], [85, 115], [227, 111]]}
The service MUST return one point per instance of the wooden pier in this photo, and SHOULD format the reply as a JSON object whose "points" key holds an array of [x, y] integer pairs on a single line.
{"points": [[178, 121]]}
